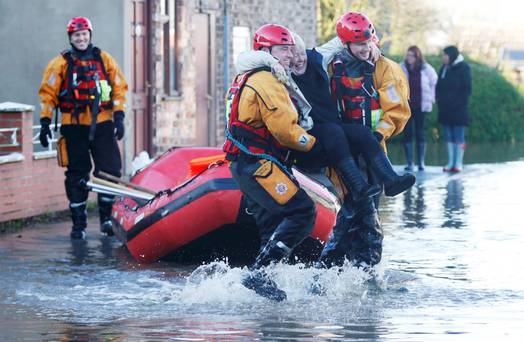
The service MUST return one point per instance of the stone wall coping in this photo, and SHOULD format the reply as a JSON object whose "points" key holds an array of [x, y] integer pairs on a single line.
{"points": [[44, 155], [15, 107], [11, 158]]}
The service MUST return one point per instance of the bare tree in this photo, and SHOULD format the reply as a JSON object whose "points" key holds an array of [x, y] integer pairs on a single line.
{"points": [[400, 23]]}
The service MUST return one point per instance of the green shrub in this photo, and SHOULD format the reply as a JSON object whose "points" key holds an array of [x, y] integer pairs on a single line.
{"points": [[496, 107]]}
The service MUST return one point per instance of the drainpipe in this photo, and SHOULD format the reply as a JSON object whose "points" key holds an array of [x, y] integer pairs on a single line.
{"points": [[226, 48]]}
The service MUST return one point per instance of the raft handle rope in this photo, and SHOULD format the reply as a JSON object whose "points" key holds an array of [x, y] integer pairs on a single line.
{"points": [[170, 192]]}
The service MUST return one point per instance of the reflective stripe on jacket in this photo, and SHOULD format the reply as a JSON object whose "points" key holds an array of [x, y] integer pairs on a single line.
{"points": [[54, 77], [393, 93], [264, 103]]}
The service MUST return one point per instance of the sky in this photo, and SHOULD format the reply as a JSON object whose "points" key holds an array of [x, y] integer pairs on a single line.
{"points": [[509, 11], [505, 17], [502, 13]]}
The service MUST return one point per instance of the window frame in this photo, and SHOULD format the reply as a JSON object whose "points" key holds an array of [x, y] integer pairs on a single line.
{"points": [[170, 47]]}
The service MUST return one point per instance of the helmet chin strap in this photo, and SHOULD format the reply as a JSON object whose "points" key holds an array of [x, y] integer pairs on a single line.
{"points": [[82, 53], [355, 57], [351, 52], [77, 49], [89, 43]]}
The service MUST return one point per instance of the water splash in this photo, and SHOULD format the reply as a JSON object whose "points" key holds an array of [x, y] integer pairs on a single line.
{"points": [[214, 287]]}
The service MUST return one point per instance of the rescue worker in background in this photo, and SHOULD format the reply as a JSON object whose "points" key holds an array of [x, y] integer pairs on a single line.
{"points": [[89, 88], [262, 128], [375, 95]]}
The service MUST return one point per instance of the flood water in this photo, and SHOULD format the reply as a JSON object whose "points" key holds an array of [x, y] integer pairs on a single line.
{"points": [[451, 271]]}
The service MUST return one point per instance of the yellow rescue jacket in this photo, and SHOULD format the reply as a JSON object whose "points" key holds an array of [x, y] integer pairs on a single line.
{"points": [[264, 101], [393, 89], [55, 74], [390, 82]]}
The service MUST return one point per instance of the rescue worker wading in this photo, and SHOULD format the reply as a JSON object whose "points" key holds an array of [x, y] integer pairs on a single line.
{"points": [[374, 95], [88, 87], [262, 128]]}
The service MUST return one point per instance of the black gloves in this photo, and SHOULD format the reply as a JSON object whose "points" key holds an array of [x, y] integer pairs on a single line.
{"points": [[378, 136], [45, 132], [118, 118]]}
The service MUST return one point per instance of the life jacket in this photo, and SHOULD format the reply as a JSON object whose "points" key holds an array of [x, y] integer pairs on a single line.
{"points": [[80, 87], [357, 99], [243, 137]]}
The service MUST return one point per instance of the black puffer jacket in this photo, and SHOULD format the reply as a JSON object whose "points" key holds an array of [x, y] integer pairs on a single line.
{"points": [[453, 93]]}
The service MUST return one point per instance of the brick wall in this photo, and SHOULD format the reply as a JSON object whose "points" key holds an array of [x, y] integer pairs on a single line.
{"points": [[297, 15], [28, 187], [174, 118]]}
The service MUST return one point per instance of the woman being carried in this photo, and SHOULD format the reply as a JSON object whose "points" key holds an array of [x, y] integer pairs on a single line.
{"points": [[308, 86]]}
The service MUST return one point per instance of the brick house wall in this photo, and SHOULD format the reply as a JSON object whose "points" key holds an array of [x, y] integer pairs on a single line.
{"points": [[174, 117], [28, 186], [31, 185]]}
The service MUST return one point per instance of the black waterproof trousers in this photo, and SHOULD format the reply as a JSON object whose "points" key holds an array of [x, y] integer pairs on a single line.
{"points": [[106, 157], [357, 235], [283, 221], [335, 142]]}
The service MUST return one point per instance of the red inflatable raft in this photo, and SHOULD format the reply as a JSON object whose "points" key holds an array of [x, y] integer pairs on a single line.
{"points": [[196, 196]]}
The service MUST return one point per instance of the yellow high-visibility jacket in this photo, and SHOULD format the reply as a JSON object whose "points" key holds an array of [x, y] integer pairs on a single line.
{"points": [[265, 102], [393, 88], [56, 73]]}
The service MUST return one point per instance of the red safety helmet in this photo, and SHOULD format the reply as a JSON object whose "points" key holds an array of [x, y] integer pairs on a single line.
{"points": [[355, 27], [79, 24], [272, 34]]}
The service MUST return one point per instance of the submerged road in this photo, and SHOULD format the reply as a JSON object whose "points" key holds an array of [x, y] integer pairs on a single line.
{"points": [[452, 252]]}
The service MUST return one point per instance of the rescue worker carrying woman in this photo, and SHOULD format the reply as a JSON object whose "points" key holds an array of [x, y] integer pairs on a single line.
{"points": [[262, 128], [309, 87], [374, 95], [337, 139], [89, 88]]}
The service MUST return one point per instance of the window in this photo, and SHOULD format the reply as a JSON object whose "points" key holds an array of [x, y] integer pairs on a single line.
{"points": [[241, 40], [169, 10]]}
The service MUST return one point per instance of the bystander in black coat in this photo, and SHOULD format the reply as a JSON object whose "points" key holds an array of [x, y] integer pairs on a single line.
{"points": [[453, 90]]}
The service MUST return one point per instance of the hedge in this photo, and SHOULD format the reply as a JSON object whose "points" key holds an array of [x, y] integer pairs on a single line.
{"points": [[496, 107]]}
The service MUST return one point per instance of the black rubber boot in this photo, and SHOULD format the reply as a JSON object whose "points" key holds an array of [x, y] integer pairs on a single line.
{"points": [[354, 181], [258, 281], [393, 183], [79, 218], [365, 239], [357, 237], [105, 207]]}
